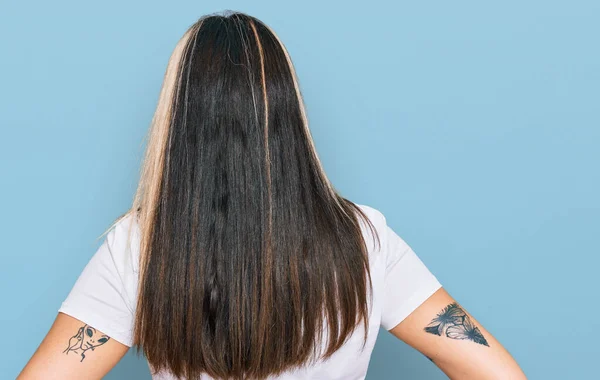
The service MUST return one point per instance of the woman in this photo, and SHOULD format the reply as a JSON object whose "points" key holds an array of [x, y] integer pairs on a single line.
{"points": [[238, 259]]}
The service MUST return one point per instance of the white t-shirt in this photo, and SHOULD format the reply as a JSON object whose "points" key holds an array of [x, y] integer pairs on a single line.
{"points": [[104, 295]]}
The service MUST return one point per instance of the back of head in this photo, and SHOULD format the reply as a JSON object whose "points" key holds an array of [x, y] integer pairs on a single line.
{"points": [[247, 252]]}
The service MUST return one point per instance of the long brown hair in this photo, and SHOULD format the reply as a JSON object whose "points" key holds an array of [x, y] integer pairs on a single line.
{"points": [[247, 251]]}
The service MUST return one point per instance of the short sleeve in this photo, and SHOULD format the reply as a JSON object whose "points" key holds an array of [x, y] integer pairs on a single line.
{"points": [[102, 294], [408, 282]]}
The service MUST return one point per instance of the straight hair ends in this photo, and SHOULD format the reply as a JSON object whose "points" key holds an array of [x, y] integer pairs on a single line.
{"points": [[247, 252]]}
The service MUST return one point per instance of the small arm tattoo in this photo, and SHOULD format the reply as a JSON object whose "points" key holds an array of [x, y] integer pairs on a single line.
{"points": [[87, 338], [454, 323]]}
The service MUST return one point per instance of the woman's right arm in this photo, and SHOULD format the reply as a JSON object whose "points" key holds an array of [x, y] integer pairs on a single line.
{"points": [[450, 337]]}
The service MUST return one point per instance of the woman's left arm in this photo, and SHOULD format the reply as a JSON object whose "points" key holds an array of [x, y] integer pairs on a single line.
{"points": [[448, 335], [73, 350]]}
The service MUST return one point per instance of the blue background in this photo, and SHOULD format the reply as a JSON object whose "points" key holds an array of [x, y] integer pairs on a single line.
{"points": [[473, 126]]}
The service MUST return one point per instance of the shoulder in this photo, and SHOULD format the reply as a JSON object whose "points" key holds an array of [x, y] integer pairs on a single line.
{"points": [[122, 226], [376, 217], [392, 246], [122, 242], [375, 230]]}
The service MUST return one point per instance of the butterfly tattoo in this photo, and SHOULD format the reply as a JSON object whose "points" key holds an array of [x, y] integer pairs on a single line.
{"points": [[454, 323]]}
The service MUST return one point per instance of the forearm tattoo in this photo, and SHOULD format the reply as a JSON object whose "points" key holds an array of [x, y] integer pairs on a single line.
{"points": [[87, 338], [454, 323]]}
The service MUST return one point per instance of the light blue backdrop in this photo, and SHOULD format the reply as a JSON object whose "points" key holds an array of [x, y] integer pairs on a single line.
{"points": [[473, 126]]}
